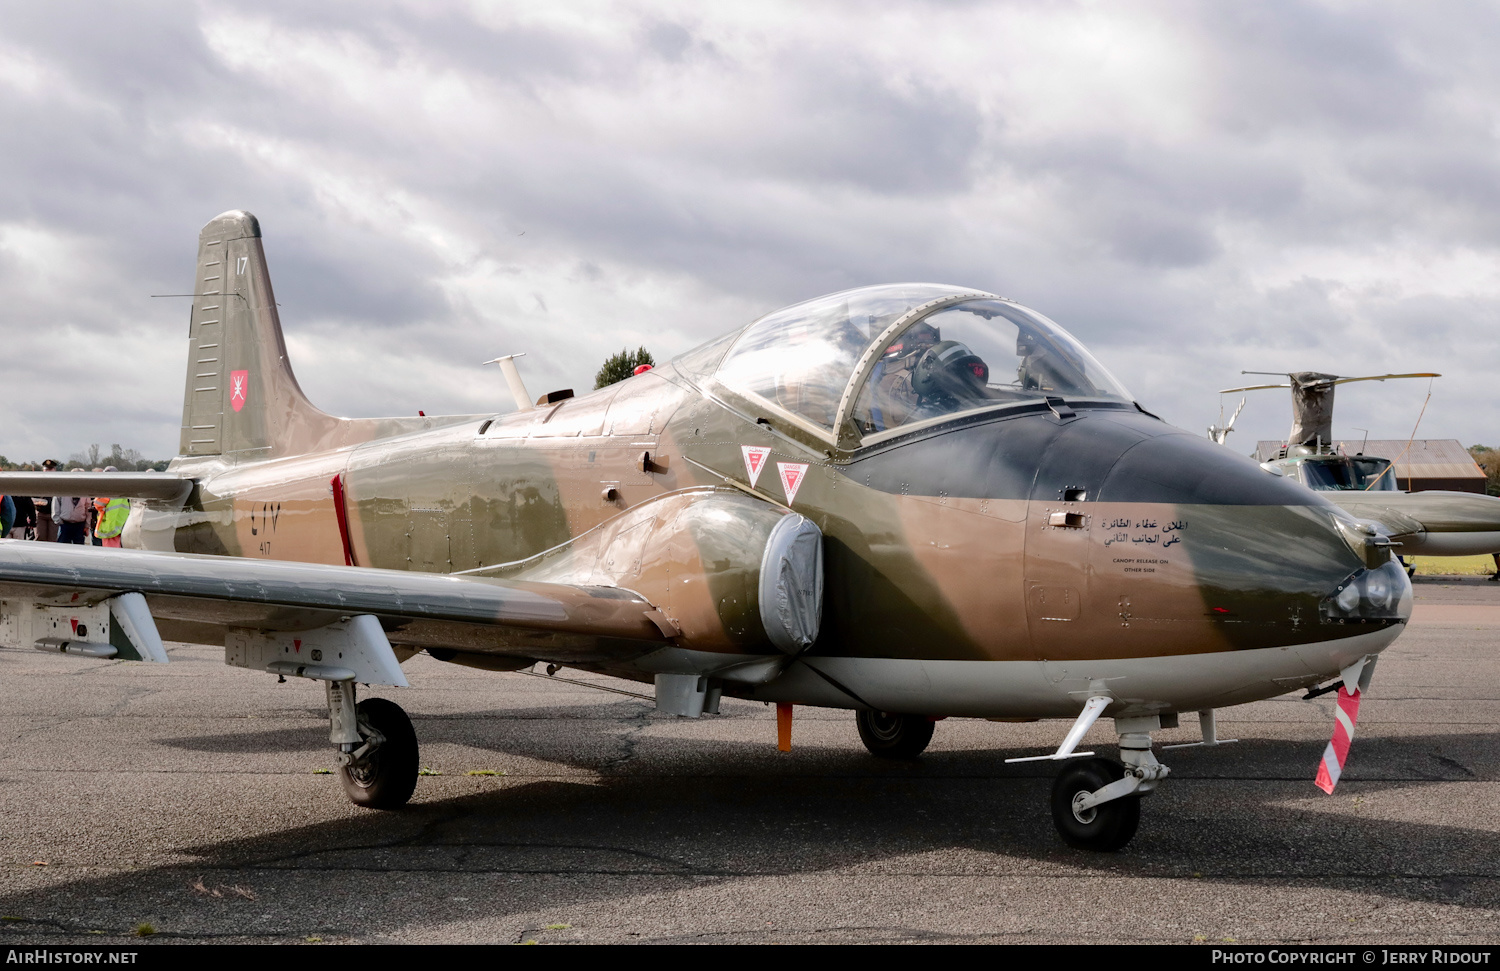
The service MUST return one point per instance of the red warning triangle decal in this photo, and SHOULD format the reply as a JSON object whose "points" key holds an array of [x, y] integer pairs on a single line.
{"points": [[755, 461], [792, 474]]}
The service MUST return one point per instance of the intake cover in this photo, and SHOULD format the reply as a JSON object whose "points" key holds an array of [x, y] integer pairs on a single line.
{"points": [[791, 584]]}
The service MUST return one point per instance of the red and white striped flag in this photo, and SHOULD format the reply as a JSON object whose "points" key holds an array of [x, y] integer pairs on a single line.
{"points": [[1345, 715]]}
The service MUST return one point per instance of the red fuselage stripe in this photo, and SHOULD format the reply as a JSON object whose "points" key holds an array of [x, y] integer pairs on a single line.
{"points": [[343, 517]]}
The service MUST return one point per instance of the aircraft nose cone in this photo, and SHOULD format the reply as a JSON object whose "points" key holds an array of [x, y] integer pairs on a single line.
{"points": [[1264, 555], [1136, 540], [1164, 464]]}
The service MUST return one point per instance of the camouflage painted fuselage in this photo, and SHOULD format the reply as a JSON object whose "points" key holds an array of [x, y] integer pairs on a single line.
{"points": [[1008, 561], [1066, 544]]}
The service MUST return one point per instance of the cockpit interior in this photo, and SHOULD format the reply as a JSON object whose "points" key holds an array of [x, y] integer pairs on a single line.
{"points": [[1346, 473], [882, 360]]}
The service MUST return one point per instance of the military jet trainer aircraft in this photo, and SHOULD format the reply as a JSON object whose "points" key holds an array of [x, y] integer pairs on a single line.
{"points": [[913, 501], [1429, 523]]}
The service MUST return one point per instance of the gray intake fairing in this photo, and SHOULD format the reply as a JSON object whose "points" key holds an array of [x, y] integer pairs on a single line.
{"points": [[791, 584]]}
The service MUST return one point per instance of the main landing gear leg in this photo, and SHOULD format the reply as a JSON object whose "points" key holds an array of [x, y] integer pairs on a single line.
{"points": [[1096, 803], [377, 748]]}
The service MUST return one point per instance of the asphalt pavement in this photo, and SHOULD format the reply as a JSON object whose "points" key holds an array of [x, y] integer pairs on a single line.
{"points": [[194, 802]]}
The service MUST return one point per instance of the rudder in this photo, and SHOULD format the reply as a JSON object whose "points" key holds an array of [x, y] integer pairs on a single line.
{"points": [[242, 400]]}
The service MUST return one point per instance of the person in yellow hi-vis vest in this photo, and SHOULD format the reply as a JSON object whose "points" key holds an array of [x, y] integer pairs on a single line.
{"points": [[112, 516]]}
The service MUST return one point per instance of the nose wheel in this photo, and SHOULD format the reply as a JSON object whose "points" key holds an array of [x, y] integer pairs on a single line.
{"points": [[1104, 827], [1096, 803]]}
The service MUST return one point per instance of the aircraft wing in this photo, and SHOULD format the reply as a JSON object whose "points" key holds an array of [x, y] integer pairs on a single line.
{"points": [[1432, 523], [205, 599], [123, 485]]}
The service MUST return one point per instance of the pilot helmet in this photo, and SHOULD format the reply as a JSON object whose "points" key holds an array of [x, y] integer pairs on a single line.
{"points": [[917, 337], [950, 369]]}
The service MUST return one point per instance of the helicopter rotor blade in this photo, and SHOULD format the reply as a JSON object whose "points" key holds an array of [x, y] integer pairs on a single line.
{"points": [[1386, 377], [1254, 387], [1327, 383], [1232, 417]]}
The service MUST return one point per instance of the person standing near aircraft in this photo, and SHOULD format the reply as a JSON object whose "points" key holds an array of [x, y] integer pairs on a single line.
{"points": [[46, 528], [24, 525], [96, 509], [71, 513], [112, 515], [7, 516]]}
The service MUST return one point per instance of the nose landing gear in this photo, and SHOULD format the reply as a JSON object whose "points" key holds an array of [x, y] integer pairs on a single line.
{"points": [[1096, 804], [1088, 825]]}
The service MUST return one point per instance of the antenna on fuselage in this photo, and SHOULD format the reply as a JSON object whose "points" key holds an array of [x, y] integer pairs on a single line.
{"points": [[513, 380]]}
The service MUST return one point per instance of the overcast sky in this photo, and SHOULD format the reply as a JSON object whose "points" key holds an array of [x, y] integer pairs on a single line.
{"points": [[1191, 188]]}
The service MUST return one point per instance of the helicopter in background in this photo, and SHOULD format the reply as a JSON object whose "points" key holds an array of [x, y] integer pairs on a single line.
{"points": [[1428, 523]]}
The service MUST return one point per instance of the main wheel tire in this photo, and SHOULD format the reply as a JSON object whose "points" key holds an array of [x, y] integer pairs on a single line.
{"points": [[386, 778], [1103, 828], [890, 736]]}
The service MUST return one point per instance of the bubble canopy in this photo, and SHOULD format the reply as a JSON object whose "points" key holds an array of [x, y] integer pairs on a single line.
{"points": [[865, 364]]}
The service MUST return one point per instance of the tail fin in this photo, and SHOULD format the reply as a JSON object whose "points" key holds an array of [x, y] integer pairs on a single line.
{"points": [[242, 400]]}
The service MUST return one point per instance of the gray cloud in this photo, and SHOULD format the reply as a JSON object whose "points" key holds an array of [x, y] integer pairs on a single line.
{"points": [[1193, 188]]}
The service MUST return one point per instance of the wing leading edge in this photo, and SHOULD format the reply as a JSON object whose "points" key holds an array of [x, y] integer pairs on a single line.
{"points": [[201, 598]]}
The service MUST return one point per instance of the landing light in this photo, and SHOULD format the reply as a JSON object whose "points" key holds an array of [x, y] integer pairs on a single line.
{"points": [[1370, 596]]}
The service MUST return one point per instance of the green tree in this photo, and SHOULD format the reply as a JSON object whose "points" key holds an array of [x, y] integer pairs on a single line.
{"points": [[1488, 459], [124, 459], [622, 365]]}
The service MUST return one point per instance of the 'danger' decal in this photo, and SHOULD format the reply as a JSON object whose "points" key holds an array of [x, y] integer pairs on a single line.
{"points": [[755, 460], [239, 388], [792, 474]]}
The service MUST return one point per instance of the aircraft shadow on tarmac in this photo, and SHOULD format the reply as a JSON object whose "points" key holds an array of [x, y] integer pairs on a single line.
{"points": [[709, 809], [607, 738]]}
